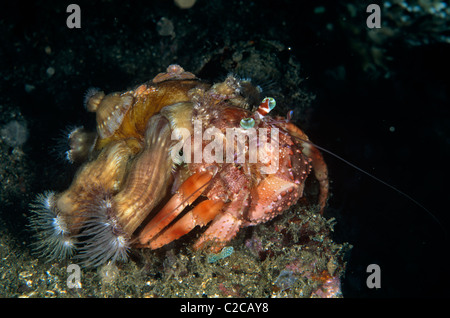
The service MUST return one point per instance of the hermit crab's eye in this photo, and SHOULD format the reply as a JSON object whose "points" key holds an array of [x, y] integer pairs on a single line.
{"points": [[270, 101], [247, 123], [267, 104]]}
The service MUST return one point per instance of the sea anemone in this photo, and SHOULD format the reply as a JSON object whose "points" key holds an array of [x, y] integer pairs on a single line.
{"points": [[75, 144], [80, 143], [92, 98], [102, 238], [54, 240]]}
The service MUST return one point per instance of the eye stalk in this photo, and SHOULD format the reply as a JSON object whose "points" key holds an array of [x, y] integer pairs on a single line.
{"points": [[271, 102], [267, 104], [247, 123]]}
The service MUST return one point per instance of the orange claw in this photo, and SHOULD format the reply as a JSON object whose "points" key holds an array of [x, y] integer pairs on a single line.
{"points": [[188, 192], [201, 215]]}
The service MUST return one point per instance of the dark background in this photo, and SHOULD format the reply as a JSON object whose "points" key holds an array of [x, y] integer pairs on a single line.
{"points": [[118, 46]]}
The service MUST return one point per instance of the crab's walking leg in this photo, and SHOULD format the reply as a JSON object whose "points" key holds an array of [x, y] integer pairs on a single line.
{"points": [[201, 215], [318, 163], [226, 225], [222, 230], [189, 191]]}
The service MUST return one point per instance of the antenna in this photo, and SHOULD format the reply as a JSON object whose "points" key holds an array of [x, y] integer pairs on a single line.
{"points": [[379, 180]]}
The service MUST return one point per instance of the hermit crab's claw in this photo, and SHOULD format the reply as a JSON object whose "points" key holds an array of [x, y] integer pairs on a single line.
{"points": [[153, 234]]}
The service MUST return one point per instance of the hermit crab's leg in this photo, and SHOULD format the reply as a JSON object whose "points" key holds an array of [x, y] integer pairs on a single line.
{"points": [[318, 163], [201, 215], [189, 191], [226, 225], [222, 230]]}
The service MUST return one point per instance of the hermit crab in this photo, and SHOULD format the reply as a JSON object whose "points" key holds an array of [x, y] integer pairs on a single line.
{"points": [[168, 156]]}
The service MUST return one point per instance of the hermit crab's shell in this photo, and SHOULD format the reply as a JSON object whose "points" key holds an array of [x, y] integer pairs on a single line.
{"points": [[173, 71]]}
